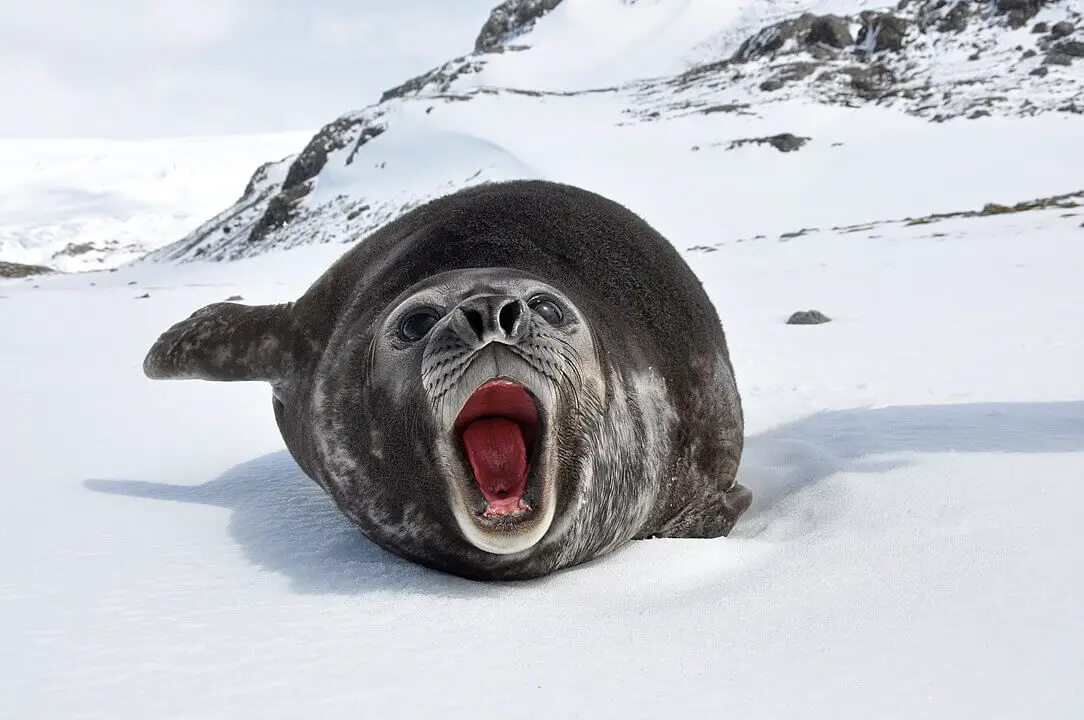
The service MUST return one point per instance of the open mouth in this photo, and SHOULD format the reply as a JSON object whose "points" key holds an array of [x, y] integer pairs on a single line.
{"points": [[497, 430]]}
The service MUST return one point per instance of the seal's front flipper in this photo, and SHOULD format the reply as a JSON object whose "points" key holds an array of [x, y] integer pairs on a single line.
{"points": [[708, 517], [224, 341]]}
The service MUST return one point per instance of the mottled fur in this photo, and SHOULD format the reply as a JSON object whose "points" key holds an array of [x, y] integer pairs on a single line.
{"points": [[647, 422]]}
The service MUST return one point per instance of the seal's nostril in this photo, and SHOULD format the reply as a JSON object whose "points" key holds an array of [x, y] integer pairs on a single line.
{"points": [[474, 318], [508, 316]]}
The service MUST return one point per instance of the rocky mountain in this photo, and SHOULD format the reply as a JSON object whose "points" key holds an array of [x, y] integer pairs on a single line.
{"points": [[18, 270], [547, 76]]}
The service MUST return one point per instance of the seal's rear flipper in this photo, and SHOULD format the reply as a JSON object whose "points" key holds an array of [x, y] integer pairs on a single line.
{"points": [[708, 517], [224, 341]]}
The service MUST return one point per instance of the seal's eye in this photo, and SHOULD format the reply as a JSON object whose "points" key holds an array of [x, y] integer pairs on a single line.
{"points": [[415, 325], [546, 307]]}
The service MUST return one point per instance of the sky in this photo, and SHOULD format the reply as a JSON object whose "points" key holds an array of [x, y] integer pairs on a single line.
{"points": [[154, 68]]}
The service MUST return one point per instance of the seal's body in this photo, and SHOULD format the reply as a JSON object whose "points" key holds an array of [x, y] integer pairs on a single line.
{"points": [[509, 380]]}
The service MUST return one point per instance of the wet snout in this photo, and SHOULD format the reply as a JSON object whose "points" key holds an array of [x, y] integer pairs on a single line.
{"points": [[482, 319]]}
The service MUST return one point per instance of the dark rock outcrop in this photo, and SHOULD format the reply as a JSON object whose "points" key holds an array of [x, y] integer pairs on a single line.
{"points": [[808, 317], [784, 142], [1061, 29], [956, 18], [334, 136], [881, 32], [280, 210], [830, 30], [869, 80], [350, 129], [75, 249], [19, 270], [804, 32], [259, 177], [1018, 12], [509, 20], [1072, 48], [437, 79]]}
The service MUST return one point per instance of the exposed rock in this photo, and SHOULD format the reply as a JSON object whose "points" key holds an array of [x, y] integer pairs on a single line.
{"points": [[280, 210], [1057, 58], [1073, 48], [803, 32], [1029, 53], [439, 79], [956, 19], [871, 80], [331, 137], [234, 298], [784, 142], [75, 249], [258, 178], [1040, 71], [808, 317], [356, 212], [1062, 29], [725, 108], [509, 20], [1039, 28], [1018, 12], [881, 31], [789, 73], [346, 130], [830, 30], [796, 71], [19, 270]]}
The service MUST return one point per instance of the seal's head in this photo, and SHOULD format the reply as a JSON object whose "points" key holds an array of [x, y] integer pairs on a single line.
{"points": [[498, 370]]}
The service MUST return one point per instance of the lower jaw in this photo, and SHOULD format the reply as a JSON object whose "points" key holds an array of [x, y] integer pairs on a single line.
{"points": [[506, 533], [516, 507], [508, 513]]}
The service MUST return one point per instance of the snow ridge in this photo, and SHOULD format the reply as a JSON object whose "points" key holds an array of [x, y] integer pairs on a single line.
{"points": [[930, 59]]}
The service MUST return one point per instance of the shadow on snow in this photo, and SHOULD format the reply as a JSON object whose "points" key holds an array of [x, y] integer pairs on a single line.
{"points": [[285, 523]]}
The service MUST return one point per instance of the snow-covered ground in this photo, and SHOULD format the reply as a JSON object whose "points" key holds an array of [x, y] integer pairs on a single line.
{"points": [[914, 548], [92, 204]]}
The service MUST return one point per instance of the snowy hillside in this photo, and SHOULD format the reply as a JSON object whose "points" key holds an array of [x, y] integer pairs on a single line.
{"points": [[644, 84], [80, 205]]}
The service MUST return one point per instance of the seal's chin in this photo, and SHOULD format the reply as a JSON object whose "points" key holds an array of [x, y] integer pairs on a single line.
{"points": [[500, 466], [497, 432]]}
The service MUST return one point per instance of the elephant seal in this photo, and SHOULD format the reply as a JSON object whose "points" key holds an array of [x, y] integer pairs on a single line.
{"points": [[512, 379]]}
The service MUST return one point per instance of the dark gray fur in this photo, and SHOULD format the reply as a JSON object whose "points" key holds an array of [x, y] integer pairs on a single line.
{"points": [[626, 468]]}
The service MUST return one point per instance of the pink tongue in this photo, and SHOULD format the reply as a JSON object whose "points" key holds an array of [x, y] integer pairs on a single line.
{"points": [[498, 455]]}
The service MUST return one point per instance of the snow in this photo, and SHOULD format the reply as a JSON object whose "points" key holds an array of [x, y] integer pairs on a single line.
{"points": [[616, 41], [913, 549], [596, 84], [115, 200]]}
